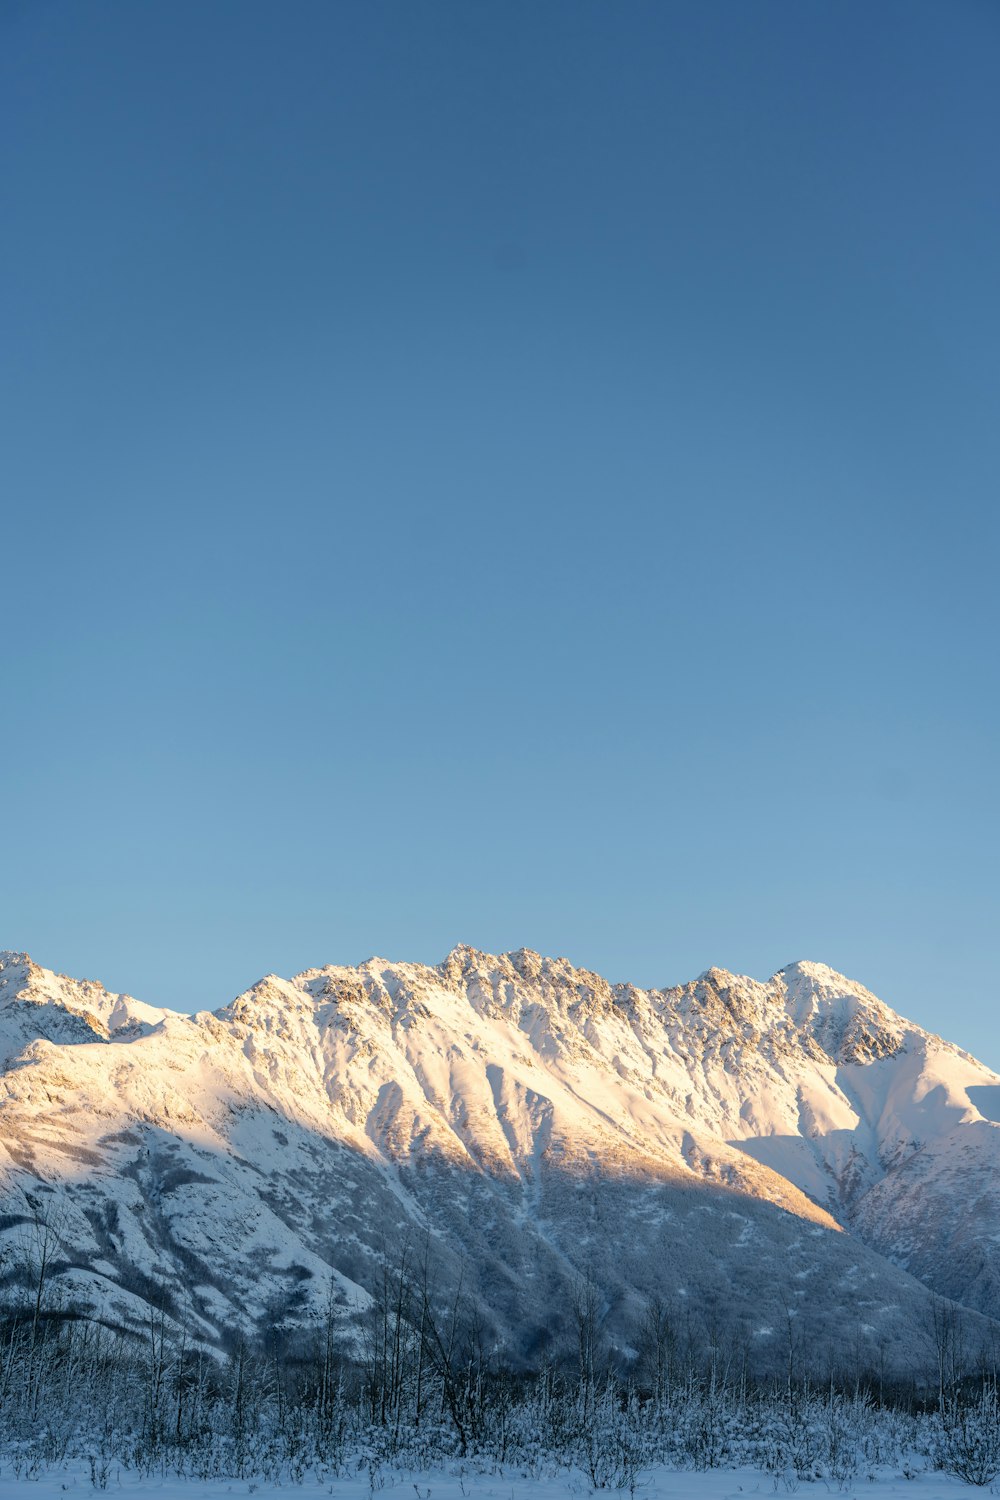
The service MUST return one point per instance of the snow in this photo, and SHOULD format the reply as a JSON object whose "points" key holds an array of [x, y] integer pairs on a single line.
{"points": [[464, 1484]]}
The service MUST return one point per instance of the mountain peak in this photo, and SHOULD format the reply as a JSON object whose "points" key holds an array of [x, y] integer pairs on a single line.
{"points": [[17, 971], [523, 963], [810, 971], [848, 1021]]}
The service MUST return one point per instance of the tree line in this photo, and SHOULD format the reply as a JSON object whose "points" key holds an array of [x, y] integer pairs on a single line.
{"points": [[417, 1378]]}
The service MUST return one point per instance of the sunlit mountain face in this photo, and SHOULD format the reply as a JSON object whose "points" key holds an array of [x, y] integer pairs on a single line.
{"points": [[775, 1161]]}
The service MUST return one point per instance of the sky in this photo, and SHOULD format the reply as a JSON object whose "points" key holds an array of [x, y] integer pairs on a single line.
{"points": [[515, 474]]}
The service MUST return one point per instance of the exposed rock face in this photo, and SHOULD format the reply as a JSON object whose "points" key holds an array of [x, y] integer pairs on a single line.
{"points": [[753, 1153]]}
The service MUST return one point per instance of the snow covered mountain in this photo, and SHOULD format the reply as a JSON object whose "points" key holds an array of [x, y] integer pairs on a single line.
{"points": [[772, 1160]]}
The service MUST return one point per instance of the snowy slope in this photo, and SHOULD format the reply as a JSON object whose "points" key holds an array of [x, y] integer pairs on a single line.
{"points": [[756, 1154]]}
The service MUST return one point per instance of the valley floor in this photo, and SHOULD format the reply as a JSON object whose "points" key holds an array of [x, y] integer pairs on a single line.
{"points": [[653, 1484]]}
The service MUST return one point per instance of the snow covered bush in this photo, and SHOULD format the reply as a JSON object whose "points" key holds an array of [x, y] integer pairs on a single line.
{"points": [[968, 1436]]}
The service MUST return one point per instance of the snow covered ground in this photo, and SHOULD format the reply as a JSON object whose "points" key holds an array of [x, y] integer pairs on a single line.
{"points": [[653, 1484]]}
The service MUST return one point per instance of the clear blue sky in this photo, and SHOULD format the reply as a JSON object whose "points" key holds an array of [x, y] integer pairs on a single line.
{"points": [[520, 474]]}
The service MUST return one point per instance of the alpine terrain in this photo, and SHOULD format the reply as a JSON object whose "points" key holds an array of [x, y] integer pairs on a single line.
{"points": [[788, 1164]]}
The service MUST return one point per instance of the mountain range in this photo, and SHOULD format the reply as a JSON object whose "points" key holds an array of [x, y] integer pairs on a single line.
{"points": [[786, 1166]]}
